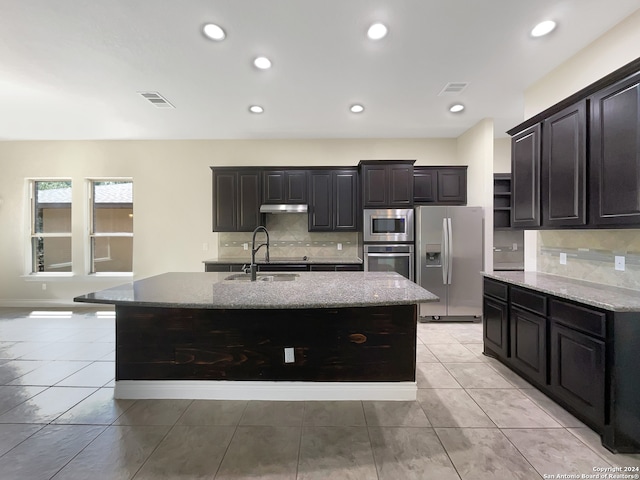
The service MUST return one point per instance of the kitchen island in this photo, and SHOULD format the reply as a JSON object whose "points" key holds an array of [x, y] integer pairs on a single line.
{"points": [[304, 336]]}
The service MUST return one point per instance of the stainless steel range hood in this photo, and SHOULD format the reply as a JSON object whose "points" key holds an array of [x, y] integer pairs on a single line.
{"points": [[283, 208]]}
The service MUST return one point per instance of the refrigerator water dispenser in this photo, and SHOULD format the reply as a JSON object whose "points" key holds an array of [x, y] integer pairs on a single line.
{"points": [[433, 257]]}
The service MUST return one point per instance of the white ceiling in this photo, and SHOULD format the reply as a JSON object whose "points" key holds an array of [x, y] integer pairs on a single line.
{"points": [[71, 69]]}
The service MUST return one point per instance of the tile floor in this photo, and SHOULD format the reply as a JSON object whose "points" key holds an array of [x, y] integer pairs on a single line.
{"points": [[473, 419]]}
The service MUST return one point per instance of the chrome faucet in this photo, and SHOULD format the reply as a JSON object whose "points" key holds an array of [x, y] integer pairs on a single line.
{"points": [[254, 250]]}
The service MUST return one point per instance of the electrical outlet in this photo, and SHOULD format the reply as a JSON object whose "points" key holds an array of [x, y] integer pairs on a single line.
{"points": [[245, 246], [289, 356], [205, 246], [44, 286], [619, 263], [339, 246], [563, 258], [515, 247]]}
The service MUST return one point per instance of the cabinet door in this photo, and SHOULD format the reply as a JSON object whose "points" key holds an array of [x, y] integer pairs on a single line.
{"points": [[578, 371], [374, 178], [452, 186], [273, 186], [615, 154], [320, 201], [564, 162], [248, 201], [346, 210], [225, 201], [496, 326], [529, 344], [525, 171], [424, 185], [400, 178], [295, 186]]}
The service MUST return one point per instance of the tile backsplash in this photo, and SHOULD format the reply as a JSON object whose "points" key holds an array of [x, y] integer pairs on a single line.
{"points": [[289, 237], [590, 255]]}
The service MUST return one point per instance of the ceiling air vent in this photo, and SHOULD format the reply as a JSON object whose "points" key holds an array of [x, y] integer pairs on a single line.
{"points": [[453, 88], [156, 99]]}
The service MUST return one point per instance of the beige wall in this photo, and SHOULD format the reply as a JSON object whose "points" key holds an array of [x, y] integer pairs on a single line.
{"points": [[616, 48], [502, 155], [612, 50], [172, 197], [475, 149]]}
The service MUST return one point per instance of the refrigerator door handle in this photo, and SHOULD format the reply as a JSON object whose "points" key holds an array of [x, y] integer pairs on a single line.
{"points": [[449, 252], [444, 248]]}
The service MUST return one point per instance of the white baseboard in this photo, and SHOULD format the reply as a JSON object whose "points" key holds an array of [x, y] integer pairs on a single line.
{"points": [[230, 390]]}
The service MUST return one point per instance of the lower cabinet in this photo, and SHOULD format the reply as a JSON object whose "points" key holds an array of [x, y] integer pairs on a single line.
{"points": [[578, 371], [580, 356], [529, 343], [286, 267], [496, 326]]}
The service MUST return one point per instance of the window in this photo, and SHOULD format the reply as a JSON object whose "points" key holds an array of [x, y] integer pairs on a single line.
{"points": [[50, 226], [111, 226]]}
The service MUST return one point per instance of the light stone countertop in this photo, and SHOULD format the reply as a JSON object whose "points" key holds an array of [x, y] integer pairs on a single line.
{"points": [[308, 290], [594, 294]]}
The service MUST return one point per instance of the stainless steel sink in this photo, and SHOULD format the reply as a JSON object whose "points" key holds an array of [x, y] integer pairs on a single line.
{"points": [[264, 277]]}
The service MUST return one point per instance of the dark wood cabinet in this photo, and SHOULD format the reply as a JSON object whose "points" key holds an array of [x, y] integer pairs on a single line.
{"points": [[496, 318], [529, 343], [615, 154], [525, 172], [387, 183], [284, 186], [224, 267], [583, 357], [496, 325], [236, 200], [586, 171], [578, 371], [440, 185], [425, 184], [333, 200], [285, 267], [564, 165]]}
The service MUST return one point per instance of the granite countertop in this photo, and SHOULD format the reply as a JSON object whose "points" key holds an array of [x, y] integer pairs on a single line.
{"points": [[287, 260], [308, 290], [594, 294]]}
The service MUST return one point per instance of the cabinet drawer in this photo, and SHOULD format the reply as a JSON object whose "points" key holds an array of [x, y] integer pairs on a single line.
{"points": [[580, 318], [495, 289], [533, 301]]}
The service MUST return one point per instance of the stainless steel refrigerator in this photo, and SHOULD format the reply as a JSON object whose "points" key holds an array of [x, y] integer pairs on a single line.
{"points": [[449, 260]]}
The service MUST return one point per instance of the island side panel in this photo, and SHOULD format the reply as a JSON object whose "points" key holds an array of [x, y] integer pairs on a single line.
{"points": [[346, 344]]}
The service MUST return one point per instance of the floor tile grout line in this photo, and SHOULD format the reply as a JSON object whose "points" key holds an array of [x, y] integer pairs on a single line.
{"points": [[589, 446], [104, 428], [235, 430]]}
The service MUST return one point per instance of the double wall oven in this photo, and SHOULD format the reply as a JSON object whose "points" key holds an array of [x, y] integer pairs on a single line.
{"points": [[388, 241]]}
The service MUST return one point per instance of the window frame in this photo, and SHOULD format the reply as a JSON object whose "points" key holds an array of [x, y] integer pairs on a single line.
{"points": [[92, 234], [33, 266]]}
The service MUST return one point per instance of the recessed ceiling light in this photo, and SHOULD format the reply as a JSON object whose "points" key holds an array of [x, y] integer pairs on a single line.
{"points": [[377, 31], [356, 108], [262, 63], [543, 28], [456, 108], [214, 32], [256, 109]]}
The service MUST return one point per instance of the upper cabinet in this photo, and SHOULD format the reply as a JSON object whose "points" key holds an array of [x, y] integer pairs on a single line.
{"points": [[525, 178], [284, 186], [440, 185], [615, 154], [236, 200], [333, 200], [577, 164], [564, 164], [387, 183]]}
